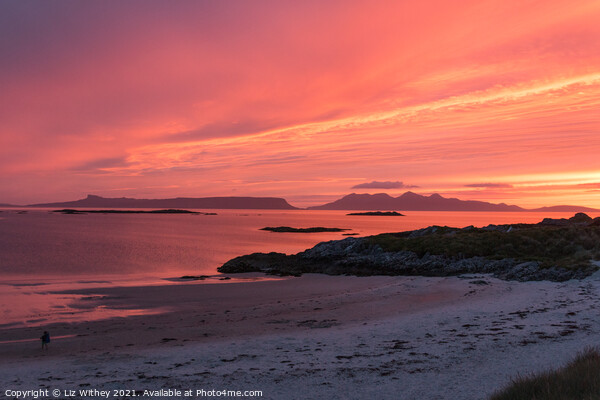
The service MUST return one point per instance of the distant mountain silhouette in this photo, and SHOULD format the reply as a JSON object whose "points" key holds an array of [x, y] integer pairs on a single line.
{"points": [[410, 201], [258, 203]]}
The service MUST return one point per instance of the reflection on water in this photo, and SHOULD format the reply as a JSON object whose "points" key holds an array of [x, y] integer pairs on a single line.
{"points": [[27, 302], [41, 244], [42, 253]]}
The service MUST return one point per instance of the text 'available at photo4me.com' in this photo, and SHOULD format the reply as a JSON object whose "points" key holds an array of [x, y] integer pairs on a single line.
{"points": [[127, 393]]}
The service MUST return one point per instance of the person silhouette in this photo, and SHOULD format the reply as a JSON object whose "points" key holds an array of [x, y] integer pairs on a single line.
{"points": [[45, 340]]}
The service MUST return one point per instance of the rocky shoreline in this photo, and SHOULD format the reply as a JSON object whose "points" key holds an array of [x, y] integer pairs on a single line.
{"points": [[364, 256]]}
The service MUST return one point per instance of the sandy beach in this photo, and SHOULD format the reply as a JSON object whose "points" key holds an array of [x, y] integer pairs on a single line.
{"points": [[315, 336]]}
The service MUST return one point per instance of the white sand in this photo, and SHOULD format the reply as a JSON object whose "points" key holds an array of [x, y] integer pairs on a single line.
{"points": [[318, 337]]}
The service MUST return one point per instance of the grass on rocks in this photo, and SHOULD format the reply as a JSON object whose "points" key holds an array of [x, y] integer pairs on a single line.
{"points": [[572, 246], [578, 380]]}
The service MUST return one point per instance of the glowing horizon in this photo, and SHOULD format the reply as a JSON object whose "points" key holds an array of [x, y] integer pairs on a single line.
{"points": [[487, 101]]}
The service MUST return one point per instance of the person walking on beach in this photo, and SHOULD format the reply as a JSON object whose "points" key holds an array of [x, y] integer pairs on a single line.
{"points": [[45, 340]]}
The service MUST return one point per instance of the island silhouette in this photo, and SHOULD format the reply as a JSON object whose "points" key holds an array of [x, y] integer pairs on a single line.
{"points": [[263, 203], [408, 201]]}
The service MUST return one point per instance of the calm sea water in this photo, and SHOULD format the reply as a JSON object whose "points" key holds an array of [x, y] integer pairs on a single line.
{"points": [[43, 252], [40, 243]]}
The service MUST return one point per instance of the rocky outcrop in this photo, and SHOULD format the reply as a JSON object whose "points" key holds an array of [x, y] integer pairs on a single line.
{"points": [[355, 256], [363, 256], [577, 219], [270, 263]]}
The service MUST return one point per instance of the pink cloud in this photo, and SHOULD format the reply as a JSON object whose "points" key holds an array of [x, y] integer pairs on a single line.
{"points": [[293, 98]]}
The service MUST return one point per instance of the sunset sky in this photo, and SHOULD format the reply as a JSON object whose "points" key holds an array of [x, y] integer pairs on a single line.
{"points": [[306, 100]]}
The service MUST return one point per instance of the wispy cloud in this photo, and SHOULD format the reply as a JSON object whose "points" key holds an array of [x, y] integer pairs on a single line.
{"points": [[101, 164], [383, 185], [489, 185]]}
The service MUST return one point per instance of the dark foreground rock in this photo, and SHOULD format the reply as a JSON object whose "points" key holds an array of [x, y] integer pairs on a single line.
{"points": [[459, 251], [577, 219]]}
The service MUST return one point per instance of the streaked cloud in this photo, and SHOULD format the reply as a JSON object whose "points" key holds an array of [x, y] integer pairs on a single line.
{"points": [[489, 185], [299, 98], [102, 163], [383, 185]]}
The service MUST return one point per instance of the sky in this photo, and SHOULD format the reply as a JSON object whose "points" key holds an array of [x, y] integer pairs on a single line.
{"points": [[307, 100]]}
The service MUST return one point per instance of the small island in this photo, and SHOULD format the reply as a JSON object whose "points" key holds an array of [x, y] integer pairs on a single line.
{"points": [[379, 213], [316, 229], [194, 277], [167, 211]]}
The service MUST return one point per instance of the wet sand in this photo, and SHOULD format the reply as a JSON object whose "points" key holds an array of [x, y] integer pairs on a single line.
{"points": [[313, 337], [200, 312]]}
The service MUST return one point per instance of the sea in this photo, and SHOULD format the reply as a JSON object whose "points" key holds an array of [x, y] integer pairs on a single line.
{"points": [[44, 254]]}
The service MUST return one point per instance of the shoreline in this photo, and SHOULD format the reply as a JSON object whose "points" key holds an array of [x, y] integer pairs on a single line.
{"points": [[39, 301], [325, 336], [252, 307]]}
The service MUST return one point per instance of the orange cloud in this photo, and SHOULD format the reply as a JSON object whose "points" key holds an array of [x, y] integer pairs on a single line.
{"points": [[294, 99]]}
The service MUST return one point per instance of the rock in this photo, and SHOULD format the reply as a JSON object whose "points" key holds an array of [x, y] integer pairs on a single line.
{"points": [[580, 218], [555, 221], [362, 260], [270, 263], [577, 219], [424, 231], [195, 277]]}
